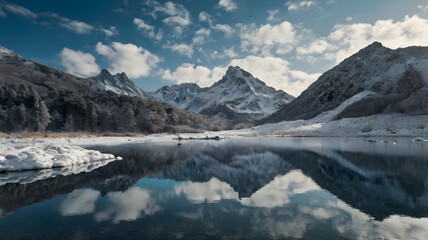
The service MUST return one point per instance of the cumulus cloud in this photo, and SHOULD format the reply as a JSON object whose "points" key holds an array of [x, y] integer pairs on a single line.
{"points": [[317, 46], [201, 35], [79, 202], [18, 10], [227, 53], [273, 71], [182, 49], [294, 6], [147, 29], [79, 63], [177, 13], [200, 75], [135, 61], [228, 5], [227, 29], [263, 39], [346, 39], [204, 16]]}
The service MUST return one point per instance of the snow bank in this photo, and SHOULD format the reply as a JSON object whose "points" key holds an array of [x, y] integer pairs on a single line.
{"points": [[19, 156]]}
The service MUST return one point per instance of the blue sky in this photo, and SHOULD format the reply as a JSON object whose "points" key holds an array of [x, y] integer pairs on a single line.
{"points": [[287, 44]]}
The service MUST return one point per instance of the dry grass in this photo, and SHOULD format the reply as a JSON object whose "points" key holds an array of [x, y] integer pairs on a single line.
{"points": [[27, 134]]}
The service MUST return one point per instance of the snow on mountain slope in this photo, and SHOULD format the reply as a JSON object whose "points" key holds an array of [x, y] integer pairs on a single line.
{"points": [[119, 83], [398, 78], [237, 94], [180, 95]]}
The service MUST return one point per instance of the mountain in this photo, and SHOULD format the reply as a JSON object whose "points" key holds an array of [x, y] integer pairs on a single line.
{"points": [[119, 83], [389, 81], [237, 95], [35, 97]]}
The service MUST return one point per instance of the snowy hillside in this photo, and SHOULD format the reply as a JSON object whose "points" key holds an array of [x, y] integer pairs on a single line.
{"points": [[237, 94], [119, 83], [397, 79]]}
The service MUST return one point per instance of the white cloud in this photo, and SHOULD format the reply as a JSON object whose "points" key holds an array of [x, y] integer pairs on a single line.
{"points": [[79, 202], [200, 75], [204, 16], [18, 10], [273, 71], [79, 63], [177, 14], [72, 25], [182, 49], [128, 206], [227, 53], [135, 61], [346, 39], [228, 5], [317, 46], [111, 31], [266, 37], [349, 19], [294, 6], [272, 14], [77, 27], [147, 29], [228, 30], [203, 31]]}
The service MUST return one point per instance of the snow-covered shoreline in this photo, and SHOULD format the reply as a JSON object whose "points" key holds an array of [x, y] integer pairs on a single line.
{"points": [[18, 154], [36, 154]]}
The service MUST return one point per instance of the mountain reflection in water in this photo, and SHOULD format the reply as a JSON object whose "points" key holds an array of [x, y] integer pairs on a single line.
{"points": [[323, 188]]}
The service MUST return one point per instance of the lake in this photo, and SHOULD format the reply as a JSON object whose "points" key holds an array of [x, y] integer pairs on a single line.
{"points": [[255, 188]]}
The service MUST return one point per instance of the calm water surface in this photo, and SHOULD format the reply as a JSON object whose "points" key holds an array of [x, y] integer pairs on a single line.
{"points": [[271, 188]]}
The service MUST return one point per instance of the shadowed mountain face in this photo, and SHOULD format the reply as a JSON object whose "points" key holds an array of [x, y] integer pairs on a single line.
{"points": [[396, 80], [378, 184], [35, 97], [238, 95], [119, 83]]}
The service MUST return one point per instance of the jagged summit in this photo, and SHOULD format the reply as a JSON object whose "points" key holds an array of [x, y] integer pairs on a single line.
{"points": [[119, 83], [237, 95]]}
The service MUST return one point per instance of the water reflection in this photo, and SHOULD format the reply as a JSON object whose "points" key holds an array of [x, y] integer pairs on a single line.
{"points": [[233, 189]]}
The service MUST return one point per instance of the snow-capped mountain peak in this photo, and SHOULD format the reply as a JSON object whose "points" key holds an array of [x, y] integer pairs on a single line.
{"points": [[8, 56], [397, 79], [237, 94], [119, 83]]}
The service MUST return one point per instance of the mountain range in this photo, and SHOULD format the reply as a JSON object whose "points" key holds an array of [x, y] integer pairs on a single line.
{"points": [[35, 97], [375, 80], [238, 95]]}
